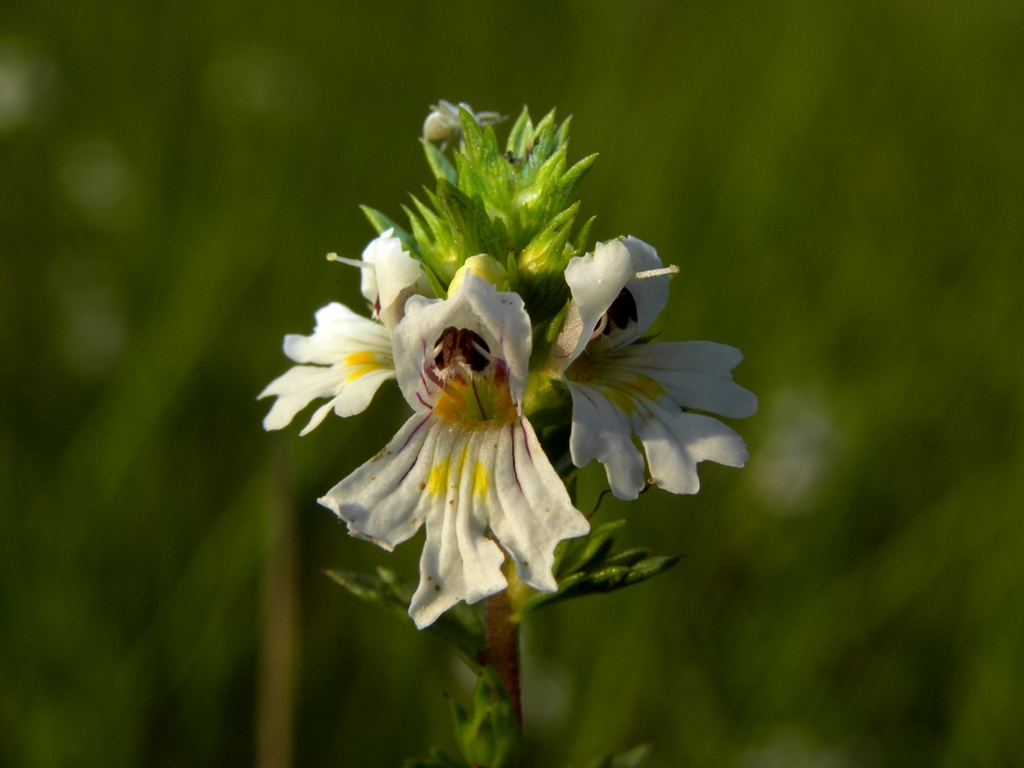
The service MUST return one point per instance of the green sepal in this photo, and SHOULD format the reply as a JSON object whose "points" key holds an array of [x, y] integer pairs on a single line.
{"points": [[470, 226], [481, 165], [628, 759], [580, 244], [440, 165], [459, 626], [569, 183], [542, 266], [587, 566], [562, 134], [489, 736], [520, 135], [435, 238], [544, 336], [382, 224], [513, 272]]}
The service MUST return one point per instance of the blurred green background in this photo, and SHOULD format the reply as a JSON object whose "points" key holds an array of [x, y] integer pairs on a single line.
{"points": [[842, 186]]}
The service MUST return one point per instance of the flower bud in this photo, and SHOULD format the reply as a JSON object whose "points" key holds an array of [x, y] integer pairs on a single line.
{"points": [[484, 266]]}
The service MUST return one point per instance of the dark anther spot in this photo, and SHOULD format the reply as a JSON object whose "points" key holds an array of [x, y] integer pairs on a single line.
{"points": [[423, 486], [455, 343], [437, 587], [622, 310]]}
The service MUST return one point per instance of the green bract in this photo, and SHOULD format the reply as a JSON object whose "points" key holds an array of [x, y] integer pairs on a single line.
{"points": [[516, 205]]}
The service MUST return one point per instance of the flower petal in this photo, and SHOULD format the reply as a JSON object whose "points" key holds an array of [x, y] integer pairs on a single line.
{"points": [[595, 281], [649, 293], [339, 332], [602, 431], [298, 387], [695, 374], [498, 317], [458, 561], [529, 508], [383, 501], [395, 276], [353, 398], [675, 442]]}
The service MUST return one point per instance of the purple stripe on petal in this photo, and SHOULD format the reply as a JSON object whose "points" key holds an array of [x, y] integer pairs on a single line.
{"points": [[515, 471]]}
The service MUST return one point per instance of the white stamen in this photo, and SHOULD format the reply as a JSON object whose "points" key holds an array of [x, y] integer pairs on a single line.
{"points": [[671, 269], [351, 262]]}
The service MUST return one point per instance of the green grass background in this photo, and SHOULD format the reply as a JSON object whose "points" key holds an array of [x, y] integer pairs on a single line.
{"points": [[842, 186]]}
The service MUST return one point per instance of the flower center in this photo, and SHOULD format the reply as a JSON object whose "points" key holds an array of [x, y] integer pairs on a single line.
{"points": [[474, 383], [622, 310]]}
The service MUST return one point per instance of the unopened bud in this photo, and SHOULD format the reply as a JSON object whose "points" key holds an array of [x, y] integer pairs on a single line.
{"points": [[483, 266]]}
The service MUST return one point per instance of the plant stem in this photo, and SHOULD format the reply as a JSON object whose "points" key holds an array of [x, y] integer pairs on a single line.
{"points": [[503, 646]]}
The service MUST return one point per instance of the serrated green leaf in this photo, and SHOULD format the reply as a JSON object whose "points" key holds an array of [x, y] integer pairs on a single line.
{"points": [[440, 165], [519, 136], [513, 271], [587, 566], [562, 134], [542, 268], [490, 734], [571, 180], [382, 223], [442, 255], [459, 626], [580, 244], [591, 547], [472, 229], [628, 557], [544, 136], [650, 567]]}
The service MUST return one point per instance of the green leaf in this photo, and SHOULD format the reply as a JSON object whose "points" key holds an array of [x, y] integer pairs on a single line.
{"points": [[459, 626], [470, 226], [587, 566], [580, 244], [562, 135], [592, 547], [513, 271], [542, 267], [490, 735], [571, 180], [440, 165], [382, 224], [519, 136], [439, 250]]}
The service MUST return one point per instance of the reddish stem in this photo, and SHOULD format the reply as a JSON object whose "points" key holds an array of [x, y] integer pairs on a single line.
{"points": [[503, 647]]}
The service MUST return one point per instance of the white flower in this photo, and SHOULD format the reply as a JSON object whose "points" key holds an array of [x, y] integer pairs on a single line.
{"points": [[467, 461], [619, 388], [392, 277], [348, 356]]}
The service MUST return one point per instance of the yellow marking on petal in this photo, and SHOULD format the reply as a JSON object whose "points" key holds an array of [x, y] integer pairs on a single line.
{"points": [[358, 373], [622, 394], [476, 400], [621, 399], [363, 358], [437, 483], [481, 482], [647, 387]]}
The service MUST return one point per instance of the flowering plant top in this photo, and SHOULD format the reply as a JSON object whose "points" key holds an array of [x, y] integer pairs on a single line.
{"points": [[521, 356]]}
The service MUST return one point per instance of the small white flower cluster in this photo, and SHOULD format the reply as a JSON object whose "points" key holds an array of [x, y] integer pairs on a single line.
{"points": [[468, 461]]}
